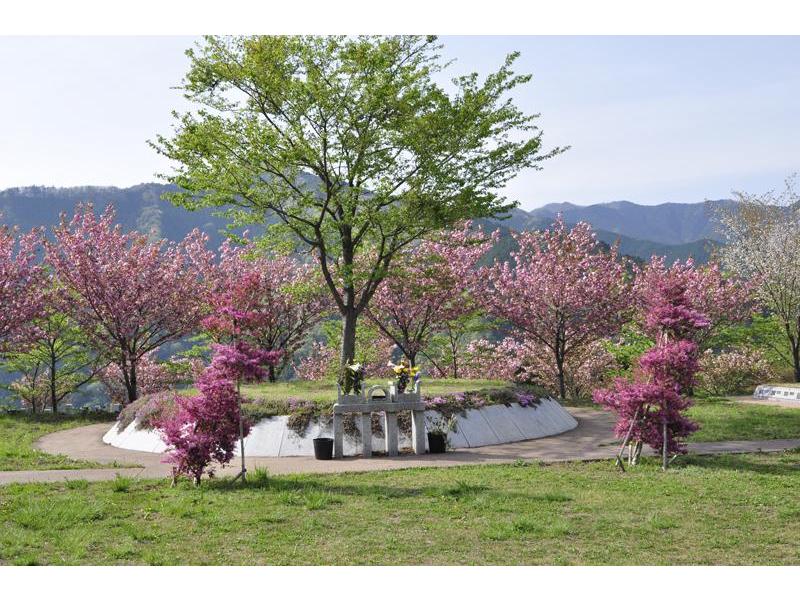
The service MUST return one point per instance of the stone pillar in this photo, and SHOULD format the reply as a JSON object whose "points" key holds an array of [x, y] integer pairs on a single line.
{"points": [[390, 430], [338, 436], [366, 434], [418, 431]]}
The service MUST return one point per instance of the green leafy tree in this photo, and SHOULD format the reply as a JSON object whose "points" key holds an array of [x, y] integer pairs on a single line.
{"points": [[627, 348], [448, 347], [347, 147], [55, 362], [762, 332]]}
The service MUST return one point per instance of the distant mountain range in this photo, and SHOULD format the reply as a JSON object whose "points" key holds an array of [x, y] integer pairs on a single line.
{"points": [[674, 230]]}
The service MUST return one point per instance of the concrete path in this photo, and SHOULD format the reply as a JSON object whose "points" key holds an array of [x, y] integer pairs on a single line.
{"points": [[591, 440]]}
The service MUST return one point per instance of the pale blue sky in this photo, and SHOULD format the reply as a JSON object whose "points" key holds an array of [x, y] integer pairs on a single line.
{"points": [[649, 120]]}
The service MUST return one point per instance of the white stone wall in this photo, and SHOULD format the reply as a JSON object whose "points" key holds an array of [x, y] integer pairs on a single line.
{"points": [[490, 425], [785, 393]]}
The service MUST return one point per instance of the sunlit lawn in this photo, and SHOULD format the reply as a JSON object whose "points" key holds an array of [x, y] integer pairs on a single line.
{"points": [[722, 419], [18, 432], [324, 392], [737, 509]]}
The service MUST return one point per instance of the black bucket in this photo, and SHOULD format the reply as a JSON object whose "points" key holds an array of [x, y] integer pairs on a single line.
{"points": [[437, 443], [323, 448]]}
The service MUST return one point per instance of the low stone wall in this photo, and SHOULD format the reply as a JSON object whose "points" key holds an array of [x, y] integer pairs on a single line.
{"points": [[487, 426], [784, 393]]}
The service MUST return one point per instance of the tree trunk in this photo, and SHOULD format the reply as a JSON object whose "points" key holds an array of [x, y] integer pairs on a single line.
{"points": [[562, 388], [53, 398], [272, 377], [796, 360], [454, 353], [349, 319], [131, 385], [412, 359]]}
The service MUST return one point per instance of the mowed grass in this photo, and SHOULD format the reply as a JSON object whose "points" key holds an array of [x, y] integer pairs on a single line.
{"points": [[722, 419], [324, 392], [18, 432], [736, 509]]}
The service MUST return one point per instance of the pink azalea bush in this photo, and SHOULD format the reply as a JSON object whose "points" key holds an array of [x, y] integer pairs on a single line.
{"points": [[525, 361], [652, 404], [204, 428], [736, 371], [322, 362]]}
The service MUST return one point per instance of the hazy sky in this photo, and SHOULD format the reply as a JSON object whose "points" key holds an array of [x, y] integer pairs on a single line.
{"points": [[649, 120]]}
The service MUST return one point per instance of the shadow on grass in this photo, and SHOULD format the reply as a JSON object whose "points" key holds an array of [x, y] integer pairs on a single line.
{"points": [[455, 490], [788, 464]]}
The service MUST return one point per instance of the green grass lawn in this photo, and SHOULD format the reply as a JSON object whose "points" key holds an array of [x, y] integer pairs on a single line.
{"points": [[324, 392], [722, 419], [18, 432], [737, 509]]}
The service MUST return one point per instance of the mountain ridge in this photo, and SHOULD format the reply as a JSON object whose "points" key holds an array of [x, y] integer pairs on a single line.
{"points": [[677, 232]]}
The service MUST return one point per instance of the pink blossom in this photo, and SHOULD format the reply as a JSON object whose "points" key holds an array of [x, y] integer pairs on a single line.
{"points": [[432, 284], [205, 427], [560, 291], [129, 294], [21, 282], [272, 302]]}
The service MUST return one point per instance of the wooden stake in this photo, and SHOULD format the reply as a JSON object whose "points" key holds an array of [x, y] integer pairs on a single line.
{"points": [[619, 461]]}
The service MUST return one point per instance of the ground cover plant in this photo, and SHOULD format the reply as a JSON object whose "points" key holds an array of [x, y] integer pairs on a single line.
{"points": [[19, 431], [736, 509]]}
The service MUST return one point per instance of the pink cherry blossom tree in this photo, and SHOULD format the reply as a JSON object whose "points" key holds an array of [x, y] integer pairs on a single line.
{"points": [[21, 276], [129, 294], [560, 291], [431, 287], [152, 376], [271, 302]]}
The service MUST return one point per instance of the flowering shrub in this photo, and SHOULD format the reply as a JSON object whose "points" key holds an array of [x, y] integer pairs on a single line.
{"points": [[323, 360], [205, 427], [148, 411], [319, 364], [733, 372], [502, 360], [650, 408]]}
